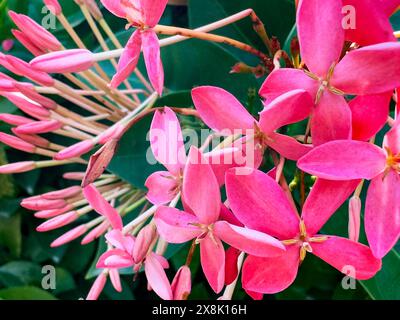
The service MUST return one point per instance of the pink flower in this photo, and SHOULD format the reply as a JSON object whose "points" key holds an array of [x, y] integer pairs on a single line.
{"points": [[182, 284], [220, 110], [7, 44], [144, 15], [201, 196], [260, 204], [370, 70], [345, 160]]}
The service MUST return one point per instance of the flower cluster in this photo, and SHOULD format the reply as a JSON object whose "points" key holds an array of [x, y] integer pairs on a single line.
{"points": [[339, 81]]}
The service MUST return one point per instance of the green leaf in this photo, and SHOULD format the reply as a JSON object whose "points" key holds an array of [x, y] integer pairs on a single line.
{"points": [[25, 293], [10, 235], [19, 273]]}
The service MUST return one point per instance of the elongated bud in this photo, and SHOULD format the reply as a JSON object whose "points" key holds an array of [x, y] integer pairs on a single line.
{"points": [[115, 279], [42, 204], [58, 222], [354, 218], [97, 287], [7, 85], [2, 75], [53, 6], [113, 132], [28, 90], [75, 60], [17, 167], [75, 150], [33, 109], [24, 69], [27, 43], [38, 127], [69, 236], [14, 119], [51, 213], [76, 176], [16, 143], [39, 35], [33, 139], [63, 193], [7, 45], [182, 284], [143, 242], [99, 161], [96, 232]]}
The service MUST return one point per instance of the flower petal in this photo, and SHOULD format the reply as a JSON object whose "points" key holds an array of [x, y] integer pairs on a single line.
{"points": [[369, 70], [250, 241], [284, 80], [382, 213], [128, 60], [162, 187], [344, 160], [200, 188], [331, 119], [260, 204], [344, 255], [369, 115], [288, 147], [101, 206], [212, 256], [115, 7], [176, 226], [271, 275], [220, 110], [152, 11], [392, 138], [290, 107], [320, 33], [166, 140], [324, 199], [152, 59], [157, 278]]}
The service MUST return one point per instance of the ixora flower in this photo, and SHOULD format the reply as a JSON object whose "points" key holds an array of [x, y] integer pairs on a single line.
{"points": [[260, 204], [370, 70], [345, 160], [144, 15], [166, 142], [220, 110], [199, 221]]}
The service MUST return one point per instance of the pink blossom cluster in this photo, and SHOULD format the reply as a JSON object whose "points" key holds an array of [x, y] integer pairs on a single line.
{"points": [[343, 86]]}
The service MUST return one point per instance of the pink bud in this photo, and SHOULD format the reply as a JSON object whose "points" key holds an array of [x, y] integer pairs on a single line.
{"points": [[17, 167], [7, 85], [42, 204], [33, 139], [51, 213], [33, 109], [2, 75], [69, 236], [27, 43], [74, 60], [354, 218], [96, 232], [75, 150], [38, 35], [7, 44], [14, 119], [115, 279], [97, 287], [182, 284], [53, 6], [76, 176], [63, 193], [28, 90], [113, 132], [143, 242], [58, 222], [37, 127], [16, 143]]}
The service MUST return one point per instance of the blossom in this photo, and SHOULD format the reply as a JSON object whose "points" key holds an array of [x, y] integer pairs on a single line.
{"points": [[220, 110], [144, 15], [260, 204], [345, 160], [199, 221], [369, 70]]}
